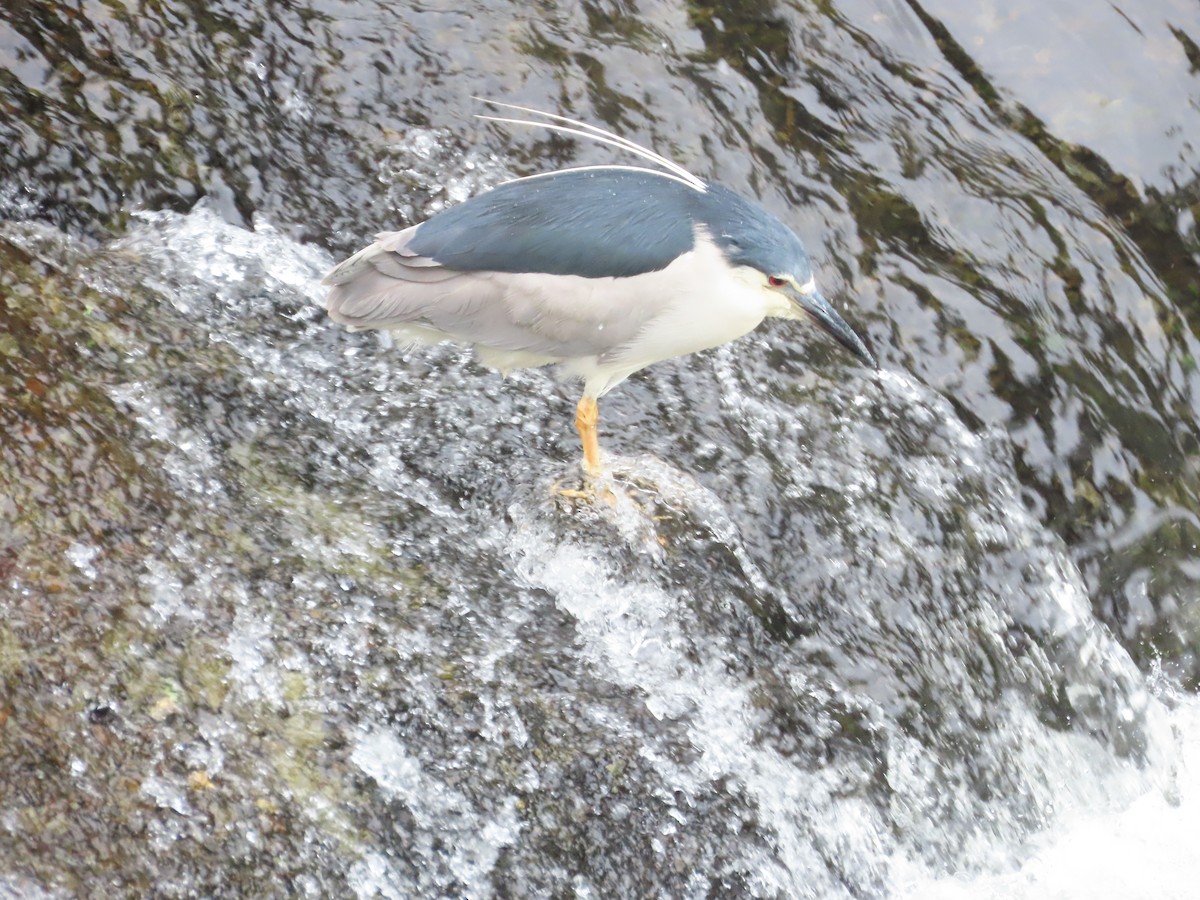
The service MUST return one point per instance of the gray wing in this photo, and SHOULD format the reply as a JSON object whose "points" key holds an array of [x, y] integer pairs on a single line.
{"points": [[540, 265], [389, 285]]}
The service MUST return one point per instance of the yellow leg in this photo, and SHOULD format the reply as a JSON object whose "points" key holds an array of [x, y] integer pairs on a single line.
{"points": [[587, 417]]}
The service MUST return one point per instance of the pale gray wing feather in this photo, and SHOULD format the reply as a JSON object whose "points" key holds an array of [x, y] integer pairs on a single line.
{"points": [[386, 285]]}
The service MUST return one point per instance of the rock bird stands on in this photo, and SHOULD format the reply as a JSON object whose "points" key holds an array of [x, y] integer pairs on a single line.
{"points": [[601, 269]]}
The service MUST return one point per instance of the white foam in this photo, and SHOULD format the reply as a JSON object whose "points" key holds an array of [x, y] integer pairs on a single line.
{"points": [[472, 839], [1146, 849]]}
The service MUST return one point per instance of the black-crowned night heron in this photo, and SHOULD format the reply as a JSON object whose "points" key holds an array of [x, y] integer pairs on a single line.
{"points": [[602, 269]]}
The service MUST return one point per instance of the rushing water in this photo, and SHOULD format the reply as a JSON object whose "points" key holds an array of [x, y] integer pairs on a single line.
{"points": [[289, 611]]}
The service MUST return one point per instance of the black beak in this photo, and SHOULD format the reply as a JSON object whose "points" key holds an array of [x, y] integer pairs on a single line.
{"points": [[818, 309]]}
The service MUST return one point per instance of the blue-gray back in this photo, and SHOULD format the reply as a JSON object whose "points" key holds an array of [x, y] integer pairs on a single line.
{"points": [[603, 222], [594, 223]]}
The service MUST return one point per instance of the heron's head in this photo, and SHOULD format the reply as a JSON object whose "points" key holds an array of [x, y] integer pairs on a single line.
{"points": [[770, 257]]}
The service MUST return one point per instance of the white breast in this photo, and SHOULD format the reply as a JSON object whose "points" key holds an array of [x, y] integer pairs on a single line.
{"points": [[699, 303]]}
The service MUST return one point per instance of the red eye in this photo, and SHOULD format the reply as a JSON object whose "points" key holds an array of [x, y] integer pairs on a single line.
{"points": [[775, 282]]}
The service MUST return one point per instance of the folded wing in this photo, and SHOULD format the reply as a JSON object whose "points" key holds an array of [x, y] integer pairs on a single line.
{"points": [[521, 268]]}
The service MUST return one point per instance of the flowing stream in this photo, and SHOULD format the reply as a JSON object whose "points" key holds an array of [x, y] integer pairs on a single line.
{"points": [[287, 611]]}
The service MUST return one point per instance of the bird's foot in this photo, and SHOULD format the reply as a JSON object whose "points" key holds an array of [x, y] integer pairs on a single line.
{"points": [[630, 506], [613, 489], [588, 490]]}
